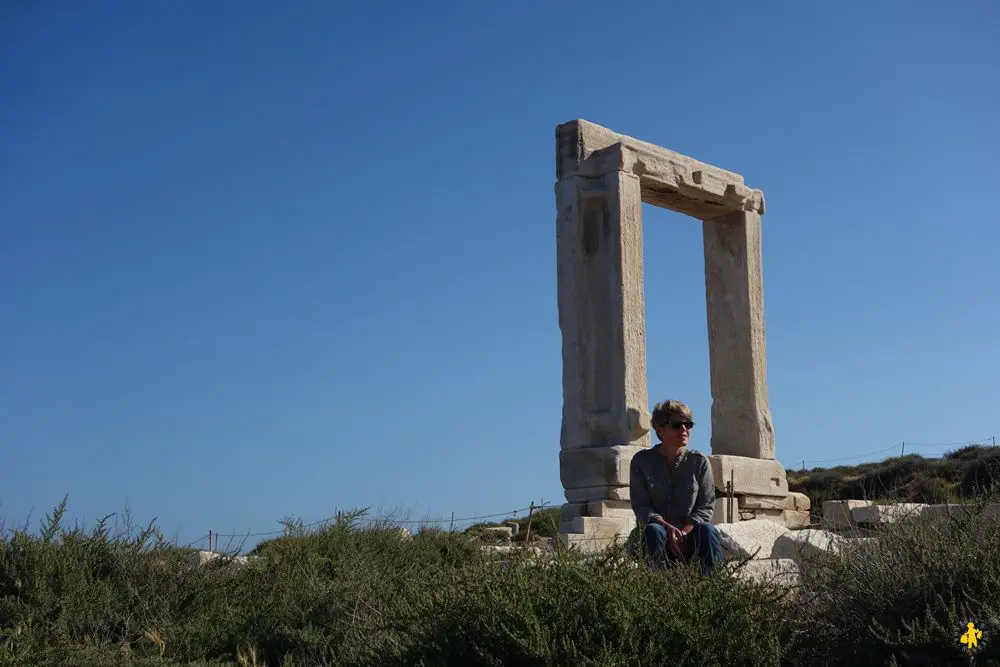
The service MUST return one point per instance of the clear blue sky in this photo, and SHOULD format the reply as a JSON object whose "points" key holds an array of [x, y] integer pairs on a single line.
{"points": [[265, 259]]}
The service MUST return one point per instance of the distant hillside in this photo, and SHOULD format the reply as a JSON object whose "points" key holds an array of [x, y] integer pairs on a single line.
{"points": [[960, 475]]}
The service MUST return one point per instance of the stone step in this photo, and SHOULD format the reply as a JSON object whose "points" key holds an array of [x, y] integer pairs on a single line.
{"points": [[610, 509]]}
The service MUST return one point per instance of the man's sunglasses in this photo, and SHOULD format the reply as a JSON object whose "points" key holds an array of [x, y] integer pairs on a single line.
{"points": [[677, 424]]}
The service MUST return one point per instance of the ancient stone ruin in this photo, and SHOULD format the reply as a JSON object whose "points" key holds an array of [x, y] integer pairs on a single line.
{"points": [[602, 180]]}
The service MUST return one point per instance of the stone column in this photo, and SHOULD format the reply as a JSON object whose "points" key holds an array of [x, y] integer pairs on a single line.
{"points": [[734, 288], [602, 318]]}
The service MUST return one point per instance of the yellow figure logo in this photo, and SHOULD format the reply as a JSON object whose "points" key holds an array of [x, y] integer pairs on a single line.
{"points": [[971, 637]]}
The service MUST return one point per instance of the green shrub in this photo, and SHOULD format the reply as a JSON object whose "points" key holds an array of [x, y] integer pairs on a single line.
{"points": [[923, 488], [67, 588], [970, 453], [888, 477], [329, 597], [965, 473], [903, 597], [356, 594], [599, 613], [982, 476]]}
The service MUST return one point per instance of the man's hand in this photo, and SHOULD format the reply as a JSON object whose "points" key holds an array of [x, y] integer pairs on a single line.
{"points": [[682, 534], [676, 543], [675, 537]]}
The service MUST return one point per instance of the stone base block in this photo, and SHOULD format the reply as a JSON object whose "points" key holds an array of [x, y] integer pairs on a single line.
{"points": [[787, 518], [588, 543], [804, 545], [792, 511], [593, 533], [610, 509], [770, 514], [719, 513], [758, 477], [596, 466], [766, 503], [793, 501], [838, 513], [750, 539], [589, 493], [801, 502], [798, 518], [875, 514]]}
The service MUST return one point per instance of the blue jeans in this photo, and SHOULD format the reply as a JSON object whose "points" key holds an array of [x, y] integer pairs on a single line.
{"points": [[702, 543]]}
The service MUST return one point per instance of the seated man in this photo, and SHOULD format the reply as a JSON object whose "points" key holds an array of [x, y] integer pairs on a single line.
{"points": [[673, 493]]}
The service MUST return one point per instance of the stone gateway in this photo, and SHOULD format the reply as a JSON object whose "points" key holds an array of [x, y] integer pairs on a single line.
{"points": [[602, 179]]}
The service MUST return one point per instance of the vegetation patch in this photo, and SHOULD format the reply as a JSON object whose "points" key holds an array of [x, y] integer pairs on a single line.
{"points": [[962, 475], [358, 592]]}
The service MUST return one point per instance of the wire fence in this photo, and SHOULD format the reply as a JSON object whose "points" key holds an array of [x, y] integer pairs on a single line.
{"points": [[929, 450], [926, 450], [359, 520]]}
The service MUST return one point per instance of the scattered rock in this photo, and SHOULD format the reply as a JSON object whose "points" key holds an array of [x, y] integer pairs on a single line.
{"points": [[800, 545], [845, 514], [838, 514], [754, 538], [872, 515], [876, 514], [202, 558]]}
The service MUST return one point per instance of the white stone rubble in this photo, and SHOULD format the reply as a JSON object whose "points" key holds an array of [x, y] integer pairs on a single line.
{"points": [[750, 539], [801, 545]]}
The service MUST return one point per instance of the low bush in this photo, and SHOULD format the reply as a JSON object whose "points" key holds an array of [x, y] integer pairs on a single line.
{"points": [[356, 593], [925, 489], [963, 474], [982, 475], [904, 596], [601, 613]]}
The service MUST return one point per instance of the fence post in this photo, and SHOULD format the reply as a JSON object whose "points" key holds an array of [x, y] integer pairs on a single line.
{"points": [[729, 502], [732, 492], [527, 532]]}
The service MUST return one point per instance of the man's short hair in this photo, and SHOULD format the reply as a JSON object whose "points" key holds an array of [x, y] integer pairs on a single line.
{"points": [[665, 410]]}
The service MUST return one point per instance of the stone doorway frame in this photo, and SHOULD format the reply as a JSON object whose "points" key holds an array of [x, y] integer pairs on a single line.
{"points": [[602, 180]]}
